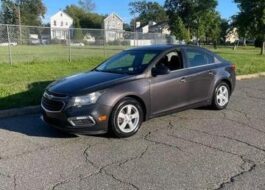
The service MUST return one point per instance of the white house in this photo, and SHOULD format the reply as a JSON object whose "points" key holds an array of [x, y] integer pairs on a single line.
{"points": [[153, 27], [162, 28], [232, 36], [144, 29], [113, 26], [60, 25]]}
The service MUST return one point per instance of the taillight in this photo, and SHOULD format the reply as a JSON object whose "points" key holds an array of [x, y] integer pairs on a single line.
{"points": [[234, 67]]}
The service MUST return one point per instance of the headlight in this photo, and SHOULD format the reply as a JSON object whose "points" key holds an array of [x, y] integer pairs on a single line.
{"points": [[86, 100]]}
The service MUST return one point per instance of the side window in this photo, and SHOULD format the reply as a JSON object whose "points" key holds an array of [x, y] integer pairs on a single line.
{"points": [[172, 60], [148, 58], [197, 58]]}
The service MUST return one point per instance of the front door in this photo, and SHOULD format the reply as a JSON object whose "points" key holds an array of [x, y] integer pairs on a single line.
{"points": [[169, 91]]}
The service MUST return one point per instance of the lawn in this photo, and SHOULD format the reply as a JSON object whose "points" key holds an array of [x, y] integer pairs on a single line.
{"points": [[22, 83], [247, 59], [52, 53]]}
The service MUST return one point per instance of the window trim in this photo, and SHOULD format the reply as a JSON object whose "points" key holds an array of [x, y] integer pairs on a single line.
{"points": [[188, 68], [184, 59]]}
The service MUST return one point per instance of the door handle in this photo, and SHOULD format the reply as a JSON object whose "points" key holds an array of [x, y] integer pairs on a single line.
{"points": [[183, 80]]}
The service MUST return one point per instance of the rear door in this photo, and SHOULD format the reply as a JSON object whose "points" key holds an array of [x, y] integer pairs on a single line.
{"points": [[200, 75]]}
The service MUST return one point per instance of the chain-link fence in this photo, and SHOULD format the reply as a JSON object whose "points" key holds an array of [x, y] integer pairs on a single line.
{"points": [[20, 44]]}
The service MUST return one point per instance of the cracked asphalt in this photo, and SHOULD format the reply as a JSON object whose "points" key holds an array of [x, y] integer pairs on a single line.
{"points": [[194, 149]]}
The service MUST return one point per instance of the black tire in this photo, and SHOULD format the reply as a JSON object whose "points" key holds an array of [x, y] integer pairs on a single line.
{"points": [[114, 126], [216, 102]]}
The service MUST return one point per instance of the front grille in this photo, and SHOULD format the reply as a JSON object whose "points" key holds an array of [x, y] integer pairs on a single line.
{"points": [[52, 105]]}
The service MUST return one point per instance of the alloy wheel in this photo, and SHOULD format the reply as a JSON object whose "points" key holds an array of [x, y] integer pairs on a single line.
{"points": [[222, 96], [128, 118]]}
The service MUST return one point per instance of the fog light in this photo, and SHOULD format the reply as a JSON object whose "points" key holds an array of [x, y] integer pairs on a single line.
{"points": [[102, 118], [86, 121]]}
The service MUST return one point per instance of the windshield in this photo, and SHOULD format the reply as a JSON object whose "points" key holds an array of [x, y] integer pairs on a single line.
{"points": [[129, 62]]}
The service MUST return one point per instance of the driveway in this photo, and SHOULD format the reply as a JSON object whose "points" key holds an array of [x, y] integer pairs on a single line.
{"points": [[194, 149]]}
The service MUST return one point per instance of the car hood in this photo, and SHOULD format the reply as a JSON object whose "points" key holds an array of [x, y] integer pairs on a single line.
{"points": [[83, 83]]}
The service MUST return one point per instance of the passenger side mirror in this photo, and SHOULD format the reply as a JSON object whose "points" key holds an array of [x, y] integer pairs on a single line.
{"points": [[161, 69]]}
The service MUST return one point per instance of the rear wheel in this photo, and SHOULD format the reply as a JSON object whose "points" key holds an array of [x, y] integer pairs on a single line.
{"points": [[221, 96], [127, 117]]}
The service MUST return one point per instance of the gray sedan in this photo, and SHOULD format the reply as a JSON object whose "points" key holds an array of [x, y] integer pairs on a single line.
{"points": [[136, 85]]}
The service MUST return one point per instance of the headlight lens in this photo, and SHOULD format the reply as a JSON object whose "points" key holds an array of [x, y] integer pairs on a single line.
{"points": [[86, 100]]}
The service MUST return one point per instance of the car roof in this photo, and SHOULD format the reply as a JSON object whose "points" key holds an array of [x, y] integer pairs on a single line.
{"points": [[166, 47], [160, 47]]}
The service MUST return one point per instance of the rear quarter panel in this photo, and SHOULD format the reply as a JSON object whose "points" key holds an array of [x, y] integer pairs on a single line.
{"points": [[224, 72]]}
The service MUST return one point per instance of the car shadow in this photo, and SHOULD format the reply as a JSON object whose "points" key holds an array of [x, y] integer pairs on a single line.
{"points": [[31, 96], [30, 125], [205, 108]]}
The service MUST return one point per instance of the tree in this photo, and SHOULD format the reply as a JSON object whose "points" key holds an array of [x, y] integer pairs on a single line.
{"points": [[78, 34], [148, 11], [84, 19], [179, 30], [240, 22], [7, 12], [87, 5], [213, 29], [127, 27], [31, 12], [192, 13], [225, 26], [251, 19]]}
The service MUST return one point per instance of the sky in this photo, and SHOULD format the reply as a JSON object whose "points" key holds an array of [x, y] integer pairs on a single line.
{"points": [[226, 7]]}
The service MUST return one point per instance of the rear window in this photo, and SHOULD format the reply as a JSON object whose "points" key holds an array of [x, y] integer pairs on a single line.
{"points": [[197, 58]]}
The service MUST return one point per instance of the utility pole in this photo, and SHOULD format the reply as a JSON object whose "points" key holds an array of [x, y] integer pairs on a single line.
{"points": [[19, 20], [20, 29]]}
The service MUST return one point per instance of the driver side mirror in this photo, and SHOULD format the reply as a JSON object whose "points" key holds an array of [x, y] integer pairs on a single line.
{"points": [[160, 69]]}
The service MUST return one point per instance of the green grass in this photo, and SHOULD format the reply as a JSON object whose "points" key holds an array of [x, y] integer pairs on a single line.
{"points": [[52, 53], [247, 59], [22, 83]]}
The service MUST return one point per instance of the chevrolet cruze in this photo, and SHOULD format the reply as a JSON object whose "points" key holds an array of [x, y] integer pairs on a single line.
{"points": [[136, 85]]}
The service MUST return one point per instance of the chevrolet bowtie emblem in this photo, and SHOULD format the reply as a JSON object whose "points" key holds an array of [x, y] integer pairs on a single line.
{"points": [[49, 96]]}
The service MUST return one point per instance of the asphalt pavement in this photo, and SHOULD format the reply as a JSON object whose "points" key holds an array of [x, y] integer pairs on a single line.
{"points": [[194, 149]]}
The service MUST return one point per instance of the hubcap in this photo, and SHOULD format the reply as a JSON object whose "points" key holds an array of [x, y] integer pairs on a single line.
{"points": [[128, 118], [222, 96]]}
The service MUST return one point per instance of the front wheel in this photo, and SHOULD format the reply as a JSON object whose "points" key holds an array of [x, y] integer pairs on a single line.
{"points": [[127, 117], [221, 96]]}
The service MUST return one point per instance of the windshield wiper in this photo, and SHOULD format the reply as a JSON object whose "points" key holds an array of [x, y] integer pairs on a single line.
{"points": [[108, 71], [103, 71]]}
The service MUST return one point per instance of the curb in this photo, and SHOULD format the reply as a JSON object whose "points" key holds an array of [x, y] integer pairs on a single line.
{"points": [[251, 76], [20, 111]]}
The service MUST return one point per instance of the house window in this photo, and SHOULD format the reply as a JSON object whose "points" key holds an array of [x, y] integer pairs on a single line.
{"points": [[62, 23], [66, 23], [54, 23]]}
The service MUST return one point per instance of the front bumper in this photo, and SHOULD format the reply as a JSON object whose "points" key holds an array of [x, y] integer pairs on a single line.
{"points": [[83, 120]]}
